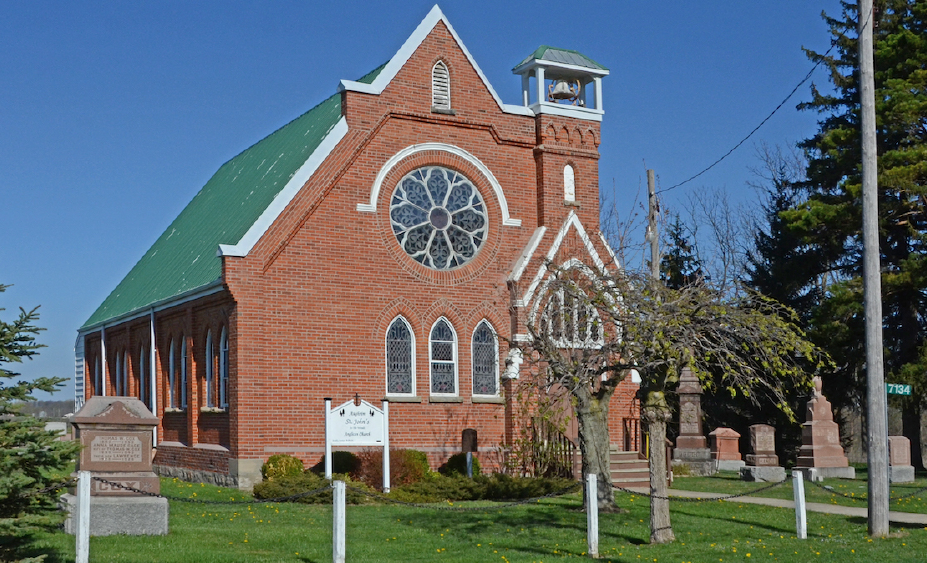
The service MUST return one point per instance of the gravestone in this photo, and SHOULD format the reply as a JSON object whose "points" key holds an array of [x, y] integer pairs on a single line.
{"points": [[725, 449], [763, 463], [821, 455], [899, 460], [691, 445], [116, 433]]}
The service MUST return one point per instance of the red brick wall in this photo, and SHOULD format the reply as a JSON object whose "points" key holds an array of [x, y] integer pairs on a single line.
{"points": [[307, 310]]}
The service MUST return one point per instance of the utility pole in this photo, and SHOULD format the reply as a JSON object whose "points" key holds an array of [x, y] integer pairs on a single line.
{"points": [[652, 234], [877, 398]]}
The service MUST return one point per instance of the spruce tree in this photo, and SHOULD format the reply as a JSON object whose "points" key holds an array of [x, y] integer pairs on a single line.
{"points": [[31, 458], [828, 221]]}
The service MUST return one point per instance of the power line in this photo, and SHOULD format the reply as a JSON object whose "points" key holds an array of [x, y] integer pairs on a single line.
{"points": [[755, 129]]}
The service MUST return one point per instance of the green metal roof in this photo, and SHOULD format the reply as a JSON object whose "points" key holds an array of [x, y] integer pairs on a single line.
{"points": [[566, 56], [184, 259]]}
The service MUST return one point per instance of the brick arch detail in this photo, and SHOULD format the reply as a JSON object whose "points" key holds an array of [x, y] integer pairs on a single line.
{"points": [[487, 176]]}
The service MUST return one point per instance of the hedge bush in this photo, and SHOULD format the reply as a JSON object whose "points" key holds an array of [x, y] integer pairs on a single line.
{"points": [[457, 465], [405, 467], [307, 481], [281, 465], [342, 462]]}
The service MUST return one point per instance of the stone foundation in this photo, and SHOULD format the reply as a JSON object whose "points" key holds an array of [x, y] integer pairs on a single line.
{"points": [[768, 474], [821, 473]]}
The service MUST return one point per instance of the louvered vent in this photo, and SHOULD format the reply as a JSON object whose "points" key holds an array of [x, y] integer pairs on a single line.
{"points": [[440, 87]]}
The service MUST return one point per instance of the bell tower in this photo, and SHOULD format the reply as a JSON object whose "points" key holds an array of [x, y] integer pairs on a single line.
{"points": [[564, 90]]}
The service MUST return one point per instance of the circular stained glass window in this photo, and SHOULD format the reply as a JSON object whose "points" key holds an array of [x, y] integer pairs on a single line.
{"points": [[438, 217]]}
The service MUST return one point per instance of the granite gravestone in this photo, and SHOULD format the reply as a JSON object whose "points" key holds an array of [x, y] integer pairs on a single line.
{"points": [[899, 460], [116, 433], [763, 463], [821, 454], [691, 444], [725, 449]]}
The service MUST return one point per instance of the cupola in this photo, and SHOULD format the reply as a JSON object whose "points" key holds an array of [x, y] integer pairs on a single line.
{"points": [[566, 83]]}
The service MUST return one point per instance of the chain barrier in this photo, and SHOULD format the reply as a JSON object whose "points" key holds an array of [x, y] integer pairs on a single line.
{"points": [[865, 497], [433, 506], [50, 488], [712, 499], [202, 501]]}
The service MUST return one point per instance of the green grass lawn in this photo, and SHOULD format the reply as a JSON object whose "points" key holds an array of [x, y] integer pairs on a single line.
{"points": [[906, 497], [550, 530]]}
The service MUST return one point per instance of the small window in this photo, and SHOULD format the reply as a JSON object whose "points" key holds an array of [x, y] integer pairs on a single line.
{"points": [[183, 373], [443, 357], [210, 371], [400, 359], [569, 184], [177, 376], [172, 377], [485, 360], [570, 323], [440, 87], [224, 370], [98, 376], [125, 373]]}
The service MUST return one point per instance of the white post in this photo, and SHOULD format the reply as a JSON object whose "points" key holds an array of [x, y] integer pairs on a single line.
{"points": [[592, 515], [385, 446], [539, 74], [801, 518], [328, 442], [525, 90], [83, 517], [338, 511], [103, 362], [598, 93]]}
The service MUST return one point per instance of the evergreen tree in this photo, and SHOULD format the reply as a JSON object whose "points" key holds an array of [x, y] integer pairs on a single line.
{"points": [[679, 265], [828, 219], [31, 458]]}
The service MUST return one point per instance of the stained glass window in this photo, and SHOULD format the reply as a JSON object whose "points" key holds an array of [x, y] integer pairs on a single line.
{"points": [[485, 361], [399, 358], [224, 370], [438, 217], [443, 359]]}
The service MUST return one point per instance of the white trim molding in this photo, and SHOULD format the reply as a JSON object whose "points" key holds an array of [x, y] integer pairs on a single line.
{"points": [[396, 63], [573, 221], [371, 206], [286, 195]]}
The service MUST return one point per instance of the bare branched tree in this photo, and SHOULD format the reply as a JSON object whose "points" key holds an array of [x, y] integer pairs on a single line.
{"points": [[590, 329]]}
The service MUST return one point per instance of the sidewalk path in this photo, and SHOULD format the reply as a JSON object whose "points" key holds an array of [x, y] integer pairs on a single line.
{"points": [[862, 512]]}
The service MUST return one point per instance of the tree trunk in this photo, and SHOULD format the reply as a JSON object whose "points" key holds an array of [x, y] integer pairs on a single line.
{"points": [[657, 413], [592, 416]]}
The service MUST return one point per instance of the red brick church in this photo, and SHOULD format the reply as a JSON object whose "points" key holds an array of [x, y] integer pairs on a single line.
{"points": [[386, 243]]}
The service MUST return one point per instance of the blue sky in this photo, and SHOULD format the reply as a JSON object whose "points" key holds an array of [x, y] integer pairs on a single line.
{"points": [[114, 114]]}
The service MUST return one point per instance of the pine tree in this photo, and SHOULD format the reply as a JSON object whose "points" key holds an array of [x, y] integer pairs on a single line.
{"points": [[31, 458], [680, 265], [828, 219]]}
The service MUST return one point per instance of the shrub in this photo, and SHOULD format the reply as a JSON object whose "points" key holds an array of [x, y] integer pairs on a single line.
{"points": [[342, 462], [281, 465], [457, 464], [290, 485], [405, 466], [493, 487]]}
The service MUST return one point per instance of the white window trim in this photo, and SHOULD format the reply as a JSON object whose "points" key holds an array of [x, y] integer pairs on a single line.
{"points": [[440, 91], [224, 369], [172, 377], [455, 361], [495, 356], [210, 376], [183, 372], [386, 347]]}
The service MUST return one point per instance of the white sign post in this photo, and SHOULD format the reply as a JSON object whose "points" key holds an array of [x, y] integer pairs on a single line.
{"points": [[357, 423]]}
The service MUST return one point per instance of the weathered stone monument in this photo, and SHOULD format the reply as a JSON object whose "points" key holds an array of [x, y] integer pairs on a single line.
{"points": [[691, 445], [115, 433], [899, 460], [725, 449], [821, 455], [763, 463]]}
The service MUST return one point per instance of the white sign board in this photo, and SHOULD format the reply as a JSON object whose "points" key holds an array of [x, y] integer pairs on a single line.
{"points": [[357, 425], [351, 425]]}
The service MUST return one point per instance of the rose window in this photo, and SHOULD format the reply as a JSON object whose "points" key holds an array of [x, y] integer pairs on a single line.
{"points": [[438, 217]]}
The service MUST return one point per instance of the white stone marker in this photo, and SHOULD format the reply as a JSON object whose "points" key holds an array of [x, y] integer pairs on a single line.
{"points": [[801, 517], [592, 515]]}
